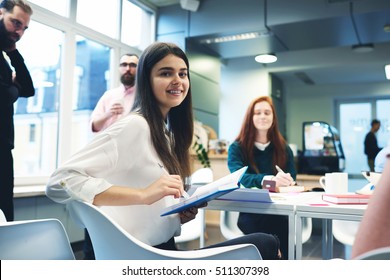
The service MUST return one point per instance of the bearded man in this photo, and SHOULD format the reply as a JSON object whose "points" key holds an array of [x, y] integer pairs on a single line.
{"points": [[116, 103], [14, 83]]}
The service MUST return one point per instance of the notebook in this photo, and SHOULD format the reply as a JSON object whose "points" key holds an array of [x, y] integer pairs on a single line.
{"points": [[349, 198], [208, 192]]}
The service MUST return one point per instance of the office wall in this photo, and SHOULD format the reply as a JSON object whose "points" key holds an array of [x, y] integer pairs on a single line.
{"points": [[240, 80], [240, 83], [205, 68]]}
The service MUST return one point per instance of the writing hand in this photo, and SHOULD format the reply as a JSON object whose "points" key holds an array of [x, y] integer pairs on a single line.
{"points": [[166, 185]]}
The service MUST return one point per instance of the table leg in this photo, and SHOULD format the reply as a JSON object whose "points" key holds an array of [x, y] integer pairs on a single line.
{"points": [[298, 238], [327, 239]]}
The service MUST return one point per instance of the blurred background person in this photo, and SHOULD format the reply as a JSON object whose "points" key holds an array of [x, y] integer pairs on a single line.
{"points": [[261, 147], [14, 20], [116, 103], [371, 148]]}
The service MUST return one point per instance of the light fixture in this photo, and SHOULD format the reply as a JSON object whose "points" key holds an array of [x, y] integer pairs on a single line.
{"points": [[387, 71], [266, 58], [190, 5], [363, 48], [237, 37], [359, 47]]}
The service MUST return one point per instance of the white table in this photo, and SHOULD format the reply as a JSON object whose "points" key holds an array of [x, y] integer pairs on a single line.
{"points": [[317, 208], [283, 204]]}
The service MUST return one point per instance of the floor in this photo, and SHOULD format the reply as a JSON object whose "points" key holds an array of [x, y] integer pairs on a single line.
{"points": [[311, 249]]}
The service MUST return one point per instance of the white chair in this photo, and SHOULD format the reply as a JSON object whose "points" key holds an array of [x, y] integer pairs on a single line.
{"points": [[230, 230], [376, 254], [345, 231], [43, 239], [228, 225], [111, 242], [195, 229], [2, 216]]}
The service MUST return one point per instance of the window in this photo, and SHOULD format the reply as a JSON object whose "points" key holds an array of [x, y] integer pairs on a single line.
{"points": [[132, 16], [69, 60], [90, 82], [60, 7], [37, 116], [99, 15], [383, 114], [355, 122]]}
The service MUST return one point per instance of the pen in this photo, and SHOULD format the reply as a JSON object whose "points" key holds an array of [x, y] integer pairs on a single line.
{"points": [[280, 170], [184, 194]]}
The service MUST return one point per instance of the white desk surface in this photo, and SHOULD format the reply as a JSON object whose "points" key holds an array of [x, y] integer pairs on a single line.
{"points": [[317, 208]]}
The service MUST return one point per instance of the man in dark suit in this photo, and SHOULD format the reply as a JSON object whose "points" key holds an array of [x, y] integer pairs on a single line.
{"points": [[14, 20], [371, 148]]}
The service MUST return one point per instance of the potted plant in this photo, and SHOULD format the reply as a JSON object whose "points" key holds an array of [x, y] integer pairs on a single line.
{"points": [[201, 152]]}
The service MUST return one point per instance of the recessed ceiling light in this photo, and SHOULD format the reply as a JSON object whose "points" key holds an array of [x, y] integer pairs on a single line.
{"points": [[387, 71], [266, 58], [237, 37]]}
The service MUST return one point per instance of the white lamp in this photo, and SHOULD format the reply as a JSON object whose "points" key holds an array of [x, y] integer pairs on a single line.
{"points": [[190, 5], [266, 58], [387, 71]]}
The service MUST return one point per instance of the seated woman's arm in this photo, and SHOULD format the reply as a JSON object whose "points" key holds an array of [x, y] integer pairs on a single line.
{"points": [[374, 230]]}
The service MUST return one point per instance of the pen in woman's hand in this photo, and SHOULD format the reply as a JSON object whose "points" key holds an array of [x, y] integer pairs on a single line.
{"points": [[184, 194], [281, 171]]}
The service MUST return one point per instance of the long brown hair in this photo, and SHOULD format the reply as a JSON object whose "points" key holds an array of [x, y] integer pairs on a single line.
{"points": [[176, 158], [247, 136]]}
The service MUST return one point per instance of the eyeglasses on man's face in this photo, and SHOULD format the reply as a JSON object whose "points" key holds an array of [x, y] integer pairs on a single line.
{"points": [[125, 65]]}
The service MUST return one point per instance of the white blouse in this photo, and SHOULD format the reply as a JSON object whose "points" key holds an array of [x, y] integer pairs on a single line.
{"points": [[123, 155]]}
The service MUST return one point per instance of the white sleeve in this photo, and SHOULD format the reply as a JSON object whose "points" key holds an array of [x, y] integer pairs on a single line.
{"points": [[81, 176]]}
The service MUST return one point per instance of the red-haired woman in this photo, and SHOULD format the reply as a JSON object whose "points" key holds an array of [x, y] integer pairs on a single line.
{"points": [[261, 147]]}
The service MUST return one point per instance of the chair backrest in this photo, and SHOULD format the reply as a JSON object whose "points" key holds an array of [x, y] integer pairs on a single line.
{"points": [[111, 242], [202, 175], [228, 224], [44, 239], [345, 231], [196, 228], [376, 254], [2, 216]]}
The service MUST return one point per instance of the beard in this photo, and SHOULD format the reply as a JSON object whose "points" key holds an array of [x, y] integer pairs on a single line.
{"points": [[6, 42], [128, 79]]}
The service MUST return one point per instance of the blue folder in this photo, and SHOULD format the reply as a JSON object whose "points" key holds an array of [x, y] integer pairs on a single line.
{"points": [[215, 189]]}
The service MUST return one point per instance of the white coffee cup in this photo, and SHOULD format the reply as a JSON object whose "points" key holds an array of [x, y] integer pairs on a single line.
{"points": [[336, 182]]}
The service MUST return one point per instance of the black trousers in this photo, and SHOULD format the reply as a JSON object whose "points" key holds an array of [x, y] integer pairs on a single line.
{"points": [[267, 244], [272, 224], [7, 183]]}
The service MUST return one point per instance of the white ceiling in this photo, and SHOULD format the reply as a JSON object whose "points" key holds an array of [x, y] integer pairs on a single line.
{"points": [[319, 46]]}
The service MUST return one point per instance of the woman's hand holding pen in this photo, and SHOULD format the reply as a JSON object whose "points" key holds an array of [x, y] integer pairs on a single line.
{"points": [[282, 178], [164, 186]]}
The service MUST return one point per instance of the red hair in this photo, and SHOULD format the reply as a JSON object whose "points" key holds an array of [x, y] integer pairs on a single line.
{"points": [[247, 136]]}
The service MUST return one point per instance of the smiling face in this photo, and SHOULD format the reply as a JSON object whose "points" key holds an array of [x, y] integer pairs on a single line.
{"points": [[262, 116], [170, 83]]}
